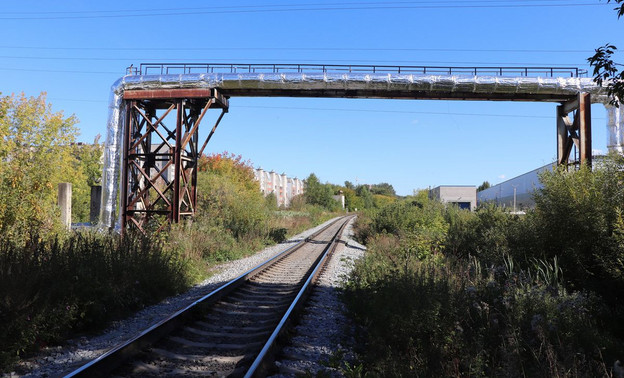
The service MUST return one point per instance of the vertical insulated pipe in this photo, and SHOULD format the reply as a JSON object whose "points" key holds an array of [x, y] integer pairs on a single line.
{"points": [[615, 128], [112, 159]]}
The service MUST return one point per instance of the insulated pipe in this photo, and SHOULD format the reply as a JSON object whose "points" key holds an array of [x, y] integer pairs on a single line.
{"points": [[615, 128], [112, 158], [342, 85]]}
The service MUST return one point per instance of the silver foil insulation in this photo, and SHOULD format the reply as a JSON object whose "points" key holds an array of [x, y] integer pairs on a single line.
{"points": [[615, 128]]}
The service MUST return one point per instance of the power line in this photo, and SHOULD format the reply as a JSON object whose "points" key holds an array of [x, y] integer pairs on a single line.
{"points": [[393, 111], [76, 100], [307, 61], [310, 9], [361, 3], [256, 48], [56, 71], [351, 110]]}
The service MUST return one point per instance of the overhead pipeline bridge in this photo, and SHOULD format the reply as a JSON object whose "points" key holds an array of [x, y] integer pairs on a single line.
{"points": [[365, 81], [155, 111]]}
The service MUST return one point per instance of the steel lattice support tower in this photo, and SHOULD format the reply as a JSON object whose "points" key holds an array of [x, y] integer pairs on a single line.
{"points": [[160, 154]]}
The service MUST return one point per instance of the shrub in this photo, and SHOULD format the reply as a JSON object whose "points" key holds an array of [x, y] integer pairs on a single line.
{"points": [[410, 215], [578, 219], [484, 233], [230, 198]]}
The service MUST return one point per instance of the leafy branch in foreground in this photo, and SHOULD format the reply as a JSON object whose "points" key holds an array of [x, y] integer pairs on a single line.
{"points": [[605, 70]]}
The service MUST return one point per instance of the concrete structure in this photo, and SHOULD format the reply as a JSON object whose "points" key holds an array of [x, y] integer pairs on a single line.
{"points": [[284, 187], [463, 196], [65, 202], [96, 204]]}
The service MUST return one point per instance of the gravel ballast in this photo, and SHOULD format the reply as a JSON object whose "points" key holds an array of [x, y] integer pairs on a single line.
{"points": [[55, 361]]}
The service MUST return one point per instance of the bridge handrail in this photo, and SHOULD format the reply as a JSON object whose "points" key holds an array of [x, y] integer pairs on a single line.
{"points": [[188, 68]]}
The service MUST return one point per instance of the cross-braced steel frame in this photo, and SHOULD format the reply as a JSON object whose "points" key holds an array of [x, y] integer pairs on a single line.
{"points": [[574, 133], [161, 152]]}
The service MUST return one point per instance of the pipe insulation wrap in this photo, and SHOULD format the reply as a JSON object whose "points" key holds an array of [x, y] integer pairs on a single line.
{"points": [[615, 128], [355, 81], [247, 83], [112, 157]]}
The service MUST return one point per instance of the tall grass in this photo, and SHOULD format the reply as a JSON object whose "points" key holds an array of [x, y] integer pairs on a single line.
{"points": [[51, 289]]}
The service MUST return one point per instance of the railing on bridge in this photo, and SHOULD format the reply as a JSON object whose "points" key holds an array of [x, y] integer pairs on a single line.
{"points": [[188, 68]]}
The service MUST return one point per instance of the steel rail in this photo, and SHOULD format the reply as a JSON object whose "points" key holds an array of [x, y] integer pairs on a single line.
{"points": [[111, 359], [260, 365]]}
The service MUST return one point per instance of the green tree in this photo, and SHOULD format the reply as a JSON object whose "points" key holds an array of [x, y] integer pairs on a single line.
{"points": [[384, 189], [319, 194], [485, 185], [35, 155], [365, 196], [86, 172], [90, 158], [352, 201], [605, 67]]}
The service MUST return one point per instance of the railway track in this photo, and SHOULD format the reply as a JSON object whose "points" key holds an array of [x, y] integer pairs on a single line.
{"points": [[232, 331]]}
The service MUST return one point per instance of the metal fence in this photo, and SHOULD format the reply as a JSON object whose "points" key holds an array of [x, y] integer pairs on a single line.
{"points": [[230, 68]]}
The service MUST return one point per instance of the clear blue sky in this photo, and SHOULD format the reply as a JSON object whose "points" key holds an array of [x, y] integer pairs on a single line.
{"points": [[75, 50]]}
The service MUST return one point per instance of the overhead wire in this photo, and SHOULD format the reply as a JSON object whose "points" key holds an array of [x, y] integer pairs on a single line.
{"points": [[294, 8], [290, 4], [259, 48], [322, 109], [394, 111], [57, 71], [303, 61]]}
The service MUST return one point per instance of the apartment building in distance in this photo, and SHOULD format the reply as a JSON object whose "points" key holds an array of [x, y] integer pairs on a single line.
{"points": [[285, 188]]}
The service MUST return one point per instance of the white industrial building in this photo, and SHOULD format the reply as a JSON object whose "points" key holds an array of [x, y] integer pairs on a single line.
{"points": [[463, 196]]}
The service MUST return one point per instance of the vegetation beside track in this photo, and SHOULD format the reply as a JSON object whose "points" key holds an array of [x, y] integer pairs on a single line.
{"points": [[446, 292]]}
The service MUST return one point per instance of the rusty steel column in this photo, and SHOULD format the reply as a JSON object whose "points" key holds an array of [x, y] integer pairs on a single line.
{"points": [[562, 137], [160, 155], [574, 133], [584, 115]]}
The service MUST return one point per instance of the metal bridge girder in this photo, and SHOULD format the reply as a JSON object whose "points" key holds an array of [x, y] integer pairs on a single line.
{"points": [[160, 154]]}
